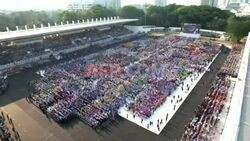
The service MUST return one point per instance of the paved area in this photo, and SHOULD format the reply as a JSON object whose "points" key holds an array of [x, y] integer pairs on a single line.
{"points": [[167, 107], [35, 126], [245, 119]]}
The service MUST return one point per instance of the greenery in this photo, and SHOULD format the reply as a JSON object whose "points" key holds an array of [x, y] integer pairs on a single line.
{"points": [[29, 18], [238, 27], [94, 12], [132, 13], [171, 15]]}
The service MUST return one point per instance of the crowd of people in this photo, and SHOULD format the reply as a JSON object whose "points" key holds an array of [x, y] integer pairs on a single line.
{"points": [[232, 68], [205, 125], [179, 59], [3, 84], [7, 129], [65, 91]]}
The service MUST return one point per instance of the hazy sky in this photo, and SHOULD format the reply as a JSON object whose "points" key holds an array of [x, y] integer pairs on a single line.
{"points": [[62, 4]]}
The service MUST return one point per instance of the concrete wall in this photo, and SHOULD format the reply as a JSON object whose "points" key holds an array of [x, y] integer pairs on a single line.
{"points": [[231, 128]]}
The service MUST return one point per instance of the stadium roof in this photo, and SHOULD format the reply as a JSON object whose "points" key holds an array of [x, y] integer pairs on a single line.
{"points": [[21, 34]]}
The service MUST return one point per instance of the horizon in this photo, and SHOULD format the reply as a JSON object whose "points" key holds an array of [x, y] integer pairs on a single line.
{"points": [[24, 5]]}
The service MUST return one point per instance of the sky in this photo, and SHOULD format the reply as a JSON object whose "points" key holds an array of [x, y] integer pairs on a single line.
{"points": [[62, 4]]}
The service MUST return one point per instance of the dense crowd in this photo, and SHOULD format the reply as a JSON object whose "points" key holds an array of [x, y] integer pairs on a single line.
{"points": [[204, 126], [12, 53], [3, 84], [7, 129], [231, 65], [65, 91]]}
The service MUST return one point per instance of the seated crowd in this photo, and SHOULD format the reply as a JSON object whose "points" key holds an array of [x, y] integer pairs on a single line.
{"points": [[205, 125], [67, 90]]}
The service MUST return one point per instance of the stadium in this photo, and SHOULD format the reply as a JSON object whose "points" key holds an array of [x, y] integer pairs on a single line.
{"points": [[101, 80]]}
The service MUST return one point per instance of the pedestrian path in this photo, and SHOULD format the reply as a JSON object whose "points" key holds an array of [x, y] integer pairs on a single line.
{"points": [[245, 119]]}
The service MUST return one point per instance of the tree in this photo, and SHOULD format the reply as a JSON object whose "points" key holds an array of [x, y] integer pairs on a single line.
{"points": [[99, 11], [171, 15], [156, 16], [131, 12], [96, 11], [69, 16], [5, 22], [208, 17], [238, 27]]}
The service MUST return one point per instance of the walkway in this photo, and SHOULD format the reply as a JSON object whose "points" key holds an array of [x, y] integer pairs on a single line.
{"points": [[245, 119]]}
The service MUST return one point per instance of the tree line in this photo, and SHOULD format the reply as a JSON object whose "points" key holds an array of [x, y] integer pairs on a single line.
{"points": [[169, 16]]}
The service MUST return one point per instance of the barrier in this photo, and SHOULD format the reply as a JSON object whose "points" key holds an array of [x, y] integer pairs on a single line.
{"points": [[231, 128]]}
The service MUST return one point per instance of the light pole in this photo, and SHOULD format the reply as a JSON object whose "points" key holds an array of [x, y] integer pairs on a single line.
{"points": [[145, 13]]}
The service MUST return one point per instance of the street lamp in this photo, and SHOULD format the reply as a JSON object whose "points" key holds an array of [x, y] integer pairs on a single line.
{"points": [[145, 12]]}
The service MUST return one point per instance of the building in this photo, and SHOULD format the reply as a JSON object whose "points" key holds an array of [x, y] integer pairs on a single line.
{"points": [[87, 4], [160, 2], [75, 5], [100, 2], [223, 4], [113, 4], [80, 5], [239, 7], [244, 10], [213, 3], [236, 1], [204, 2]]}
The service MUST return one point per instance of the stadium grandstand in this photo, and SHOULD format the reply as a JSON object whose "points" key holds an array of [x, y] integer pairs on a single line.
{"points": [[99, 80], [22, 47]]}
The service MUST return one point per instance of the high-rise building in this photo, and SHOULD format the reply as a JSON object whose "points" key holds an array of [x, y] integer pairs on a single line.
{"points": [[80, 4], [213, 3], [225, 2], [87, 4], [99, 2], [114, 4], [236, 1], [76, 5], [160, 2], [233, 5], [204, 2], [239, 1]]}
